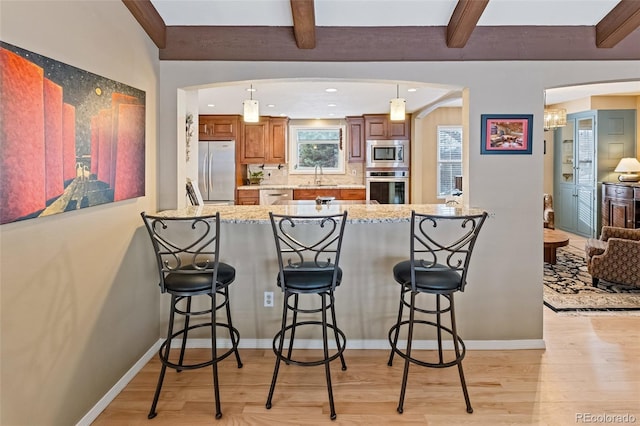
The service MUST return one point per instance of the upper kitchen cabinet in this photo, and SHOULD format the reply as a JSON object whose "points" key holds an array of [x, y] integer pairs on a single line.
{"points": [[264, 142], [355, 139], [218, 127], [379, 126]]}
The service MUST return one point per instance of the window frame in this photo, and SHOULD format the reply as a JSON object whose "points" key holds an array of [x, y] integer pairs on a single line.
{"points": [[294, 143], [440, 161]]}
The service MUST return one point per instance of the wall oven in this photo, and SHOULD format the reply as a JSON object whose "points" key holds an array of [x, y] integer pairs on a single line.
{"points": [[388, 153], [388, 187]]}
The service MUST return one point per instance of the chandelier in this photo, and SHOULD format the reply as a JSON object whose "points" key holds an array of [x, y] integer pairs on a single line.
{"points": [[554, 117]]}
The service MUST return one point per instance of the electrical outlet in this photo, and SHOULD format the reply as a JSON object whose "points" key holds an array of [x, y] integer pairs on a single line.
{"points": [[354, 172], [268, 299]]}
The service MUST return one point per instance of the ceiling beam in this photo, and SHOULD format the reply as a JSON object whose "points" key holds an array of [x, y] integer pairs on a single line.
{"points": [[463, 21], [304, 23], [149, 19], [621, 21], [383, 44]]}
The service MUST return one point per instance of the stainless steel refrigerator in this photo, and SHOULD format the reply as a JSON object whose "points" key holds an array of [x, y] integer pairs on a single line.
{"points": [[217, 171]]}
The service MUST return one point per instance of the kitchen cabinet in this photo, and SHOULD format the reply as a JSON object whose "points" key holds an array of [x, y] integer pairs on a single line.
{"points": [[249, 197], [339, 194], [218, 127], [621, 205], [586, 151], [264, 142], [379, 126], [355, 139]]}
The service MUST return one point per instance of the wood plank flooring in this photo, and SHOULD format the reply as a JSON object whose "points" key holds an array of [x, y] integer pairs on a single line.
{"points": [[590, 367]]}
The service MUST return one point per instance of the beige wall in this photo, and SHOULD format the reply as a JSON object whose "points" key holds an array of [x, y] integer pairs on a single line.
{"points": [[424, 149], [79, 300]]}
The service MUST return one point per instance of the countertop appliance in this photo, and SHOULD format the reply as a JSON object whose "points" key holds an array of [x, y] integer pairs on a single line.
{"points": [[388, 186], [271, 196], [388, 153], [217, 171]]}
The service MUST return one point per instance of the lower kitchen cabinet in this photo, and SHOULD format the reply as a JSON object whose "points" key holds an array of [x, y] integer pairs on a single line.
{"points": [[339, 194], [249, 197]]}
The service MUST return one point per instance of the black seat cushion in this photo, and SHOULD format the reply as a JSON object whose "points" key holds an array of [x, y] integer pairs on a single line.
{"points": [[308, 278], [199, 282], [439, 278]]}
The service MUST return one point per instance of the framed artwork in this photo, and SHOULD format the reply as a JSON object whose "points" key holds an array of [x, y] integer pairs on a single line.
{"points": [[506, 133], [69, 139]]}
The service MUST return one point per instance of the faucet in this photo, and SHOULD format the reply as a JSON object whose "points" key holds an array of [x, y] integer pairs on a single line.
{"points": [[315, 175]]}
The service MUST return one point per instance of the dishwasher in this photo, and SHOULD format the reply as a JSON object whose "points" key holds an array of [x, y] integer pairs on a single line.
{"points": [[271, 196]]}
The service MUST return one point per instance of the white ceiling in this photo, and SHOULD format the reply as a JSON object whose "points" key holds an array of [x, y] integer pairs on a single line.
{"points": [[308, 99]]}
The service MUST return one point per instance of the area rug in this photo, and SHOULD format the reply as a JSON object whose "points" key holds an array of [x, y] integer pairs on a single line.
{"points": [[567, 287]]}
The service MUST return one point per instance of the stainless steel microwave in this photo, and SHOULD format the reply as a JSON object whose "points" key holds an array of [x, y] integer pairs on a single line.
{"points": [[388, 153]]}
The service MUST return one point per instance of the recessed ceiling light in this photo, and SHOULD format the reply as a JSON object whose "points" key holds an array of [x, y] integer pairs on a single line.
{"points": [[413, 89], [251, 89], [331, 105], [271, 105], [330, 90], [210, 105], [282, 114]]}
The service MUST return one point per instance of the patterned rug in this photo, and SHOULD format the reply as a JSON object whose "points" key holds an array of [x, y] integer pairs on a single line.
{"points": [[567, 287]]}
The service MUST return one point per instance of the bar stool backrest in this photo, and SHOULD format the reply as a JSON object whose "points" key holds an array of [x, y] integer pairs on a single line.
{"points": [[308, 243], [185, 246], [443, 243]]}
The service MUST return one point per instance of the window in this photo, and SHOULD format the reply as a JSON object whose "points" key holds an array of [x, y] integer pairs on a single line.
{"points": [[449, 158], [316, 146]]}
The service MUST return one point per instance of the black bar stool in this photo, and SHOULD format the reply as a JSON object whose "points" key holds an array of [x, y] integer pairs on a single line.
{"points": [[308, 255], [440, 251], [188, 255]]}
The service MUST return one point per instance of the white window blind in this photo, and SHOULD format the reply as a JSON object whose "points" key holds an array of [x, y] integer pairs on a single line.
{"points": [[449, 158]]}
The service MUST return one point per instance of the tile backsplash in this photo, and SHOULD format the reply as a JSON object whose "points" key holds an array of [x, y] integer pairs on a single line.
{"points": [[273, 176]]}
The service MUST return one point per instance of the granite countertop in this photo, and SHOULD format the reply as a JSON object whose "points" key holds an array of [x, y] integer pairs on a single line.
{"points": [[357, 213], [291, 186]]}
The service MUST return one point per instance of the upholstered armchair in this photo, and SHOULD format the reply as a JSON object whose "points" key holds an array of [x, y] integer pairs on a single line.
{"points": [[615, 256], [548, 215]]}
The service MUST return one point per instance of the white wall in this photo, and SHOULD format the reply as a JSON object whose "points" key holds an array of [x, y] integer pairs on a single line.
{"points": [[79, 295]]}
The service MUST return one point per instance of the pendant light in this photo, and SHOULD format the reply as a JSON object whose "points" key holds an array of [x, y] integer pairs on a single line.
{"points": [[397, 106], [251, 112]]}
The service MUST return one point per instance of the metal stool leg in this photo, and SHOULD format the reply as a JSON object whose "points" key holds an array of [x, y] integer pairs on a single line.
{"points": [[293, 329], [335, 330], [406, 360], [457, 350], [163, 357], [187, 317], [231, 334], [325, 346], [285, 308], [397, 333], [214, 354]]}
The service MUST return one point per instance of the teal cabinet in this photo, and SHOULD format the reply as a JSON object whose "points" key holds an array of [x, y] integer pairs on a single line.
{"points": [[586, 151]]}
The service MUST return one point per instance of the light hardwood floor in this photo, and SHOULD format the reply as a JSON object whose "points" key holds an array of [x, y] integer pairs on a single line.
{"points": [[590, 367]]}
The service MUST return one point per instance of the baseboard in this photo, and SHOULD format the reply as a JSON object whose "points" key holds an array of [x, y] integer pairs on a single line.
{"points": [[483, 345], [300, 344], [119, 386]]}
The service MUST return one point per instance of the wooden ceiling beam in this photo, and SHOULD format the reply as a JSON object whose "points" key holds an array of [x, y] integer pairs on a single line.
{"points": [[304, 23], [621, 21], [149, 19], [463, 21], [373, 44]]}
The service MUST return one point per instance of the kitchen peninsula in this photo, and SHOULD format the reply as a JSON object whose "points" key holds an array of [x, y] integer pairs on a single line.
{"points": [[376, 238]]}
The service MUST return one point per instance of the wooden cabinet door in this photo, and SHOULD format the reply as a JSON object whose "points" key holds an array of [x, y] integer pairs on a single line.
{"points": [[399, 129], [355, 139], [353, 194], [277, 140], [311, 194], [248, 197], [217, 127], [255, 140], [375, 127]]}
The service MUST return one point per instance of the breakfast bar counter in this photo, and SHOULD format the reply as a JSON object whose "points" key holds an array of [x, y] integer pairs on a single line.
{"points": [[376, 238]]}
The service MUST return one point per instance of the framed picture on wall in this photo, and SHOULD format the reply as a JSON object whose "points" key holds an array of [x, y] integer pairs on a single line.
{"points": [[506, 133]]}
